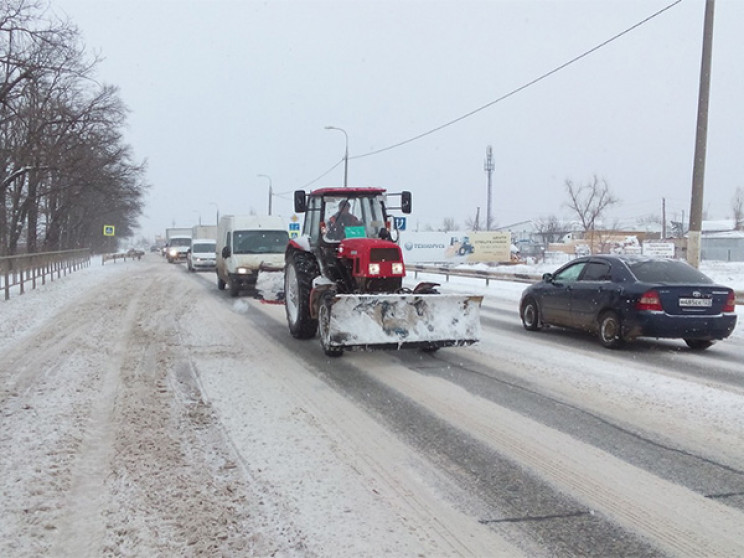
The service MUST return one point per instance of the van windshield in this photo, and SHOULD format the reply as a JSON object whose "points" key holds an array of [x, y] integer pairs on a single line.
{"points": [[203, 247], [260, 242]]}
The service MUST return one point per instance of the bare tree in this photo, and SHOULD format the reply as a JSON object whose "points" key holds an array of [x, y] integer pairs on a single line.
{"points": [[64, 170], [737, 206], [589, 202], [448, 224], [550, 229]]}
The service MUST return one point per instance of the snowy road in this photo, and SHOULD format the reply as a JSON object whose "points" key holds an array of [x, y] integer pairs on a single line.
{"points": [[144, 412]]}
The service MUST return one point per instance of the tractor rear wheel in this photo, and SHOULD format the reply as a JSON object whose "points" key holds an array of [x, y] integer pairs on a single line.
{"points": [[299, 272]]}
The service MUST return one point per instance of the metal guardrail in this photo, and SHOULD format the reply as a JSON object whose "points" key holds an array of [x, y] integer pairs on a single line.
{"points": [[484, 274], [18, 270], [497, 276], [132, 255]]}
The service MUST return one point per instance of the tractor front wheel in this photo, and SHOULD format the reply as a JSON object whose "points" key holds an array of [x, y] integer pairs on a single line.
{"points": [[324, 326]]}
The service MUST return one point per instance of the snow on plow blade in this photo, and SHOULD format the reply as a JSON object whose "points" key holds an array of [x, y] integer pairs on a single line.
{"points": [[404, 320], [270, 283]]}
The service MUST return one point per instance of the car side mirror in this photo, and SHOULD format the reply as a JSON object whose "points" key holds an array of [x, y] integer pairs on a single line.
{"points": [[226, 252], [547, 277]]}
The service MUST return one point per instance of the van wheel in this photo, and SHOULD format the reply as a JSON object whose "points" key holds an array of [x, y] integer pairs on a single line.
{"points": [[234, 288]]}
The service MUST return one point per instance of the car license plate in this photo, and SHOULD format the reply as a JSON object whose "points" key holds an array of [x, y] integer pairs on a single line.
{"points": [[696, 302]]}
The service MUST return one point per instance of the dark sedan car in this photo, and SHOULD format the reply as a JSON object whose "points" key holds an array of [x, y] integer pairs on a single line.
{"points": [[623, 297]]}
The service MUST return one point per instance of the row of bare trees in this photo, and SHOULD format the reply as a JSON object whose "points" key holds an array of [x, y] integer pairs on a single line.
{"points": [[65, 171]]}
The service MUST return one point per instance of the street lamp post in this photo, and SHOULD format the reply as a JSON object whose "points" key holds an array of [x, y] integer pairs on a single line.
{"points": [[346, 153], [270, 189], [218, 212]]}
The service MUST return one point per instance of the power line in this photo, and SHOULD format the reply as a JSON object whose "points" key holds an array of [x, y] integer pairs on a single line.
{"points": [[518, 89]]}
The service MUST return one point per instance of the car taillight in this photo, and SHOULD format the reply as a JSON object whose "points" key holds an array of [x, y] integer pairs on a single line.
{"points": [[730, 305], [649, 301]]}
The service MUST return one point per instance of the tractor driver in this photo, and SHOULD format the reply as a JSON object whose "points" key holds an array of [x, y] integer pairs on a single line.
{"points": [[341, 219]]}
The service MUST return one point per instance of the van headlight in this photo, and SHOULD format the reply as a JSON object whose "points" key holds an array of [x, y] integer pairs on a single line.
{"points": [[243, 271]]}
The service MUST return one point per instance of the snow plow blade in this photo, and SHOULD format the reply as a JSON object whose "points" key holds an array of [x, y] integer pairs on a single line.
{"points": [[270, 283], [399, 321]]}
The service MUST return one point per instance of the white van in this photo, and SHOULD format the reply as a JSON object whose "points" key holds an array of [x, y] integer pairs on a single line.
{"points": [[246, 244], [202, 255]]}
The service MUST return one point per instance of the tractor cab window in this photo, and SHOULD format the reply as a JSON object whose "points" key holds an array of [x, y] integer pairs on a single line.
{"points": [[353, 217]]}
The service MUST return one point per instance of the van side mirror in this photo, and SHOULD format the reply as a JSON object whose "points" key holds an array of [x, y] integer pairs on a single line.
{"points": [[405, 202], [300, 203], [226, 252]]}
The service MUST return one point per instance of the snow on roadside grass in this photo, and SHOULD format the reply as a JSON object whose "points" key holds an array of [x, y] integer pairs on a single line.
{"points": [[21, 313]]}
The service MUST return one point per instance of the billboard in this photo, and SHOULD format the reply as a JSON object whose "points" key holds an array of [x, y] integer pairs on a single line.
{"points": [[455, 247]]}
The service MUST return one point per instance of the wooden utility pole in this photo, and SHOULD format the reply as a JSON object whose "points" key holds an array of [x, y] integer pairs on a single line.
{"points": [[698, 171]]}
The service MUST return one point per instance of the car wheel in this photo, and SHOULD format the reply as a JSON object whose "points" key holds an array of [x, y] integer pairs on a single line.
{"points": [[530, 315], [610, 331], [698, 344]]}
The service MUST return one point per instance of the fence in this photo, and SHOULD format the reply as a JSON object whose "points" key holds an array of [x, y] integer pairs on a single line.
{"points": [[31, 269]]}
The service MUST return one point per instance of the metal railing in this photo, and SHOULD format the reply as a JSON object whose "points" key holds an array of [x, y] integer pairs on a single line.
{"points": [[22, 270]]}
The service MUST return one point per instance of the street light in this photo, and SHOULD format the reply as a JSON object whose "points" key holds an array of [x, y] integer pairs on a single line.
{"points": [[218, 211], [270, 192], [346, 153]]}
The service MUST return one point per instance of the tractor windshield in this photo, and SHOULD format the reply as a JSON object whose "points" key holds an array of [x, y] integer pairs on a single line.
{"points": [[353, 217]]}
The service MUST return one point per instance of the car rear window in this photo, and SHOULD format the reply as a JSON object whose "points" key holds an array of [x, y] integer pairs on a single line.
{"points": [[667, 271]]}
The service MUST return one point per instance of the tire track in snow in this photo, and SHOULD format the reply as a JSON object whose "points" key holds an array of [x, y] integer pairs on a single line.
{"points": [[676, 519]]}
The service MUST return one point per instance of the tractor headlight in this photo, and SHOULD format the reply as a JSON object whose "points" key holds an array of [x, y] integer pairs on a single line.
{"points": [[374, 269], [398, 268]]}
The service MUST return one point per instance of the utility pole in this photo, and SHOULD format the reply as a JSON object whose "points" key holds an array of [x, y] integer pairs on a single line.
{"points": [[663, 218], [488, 167], [698, 170]]}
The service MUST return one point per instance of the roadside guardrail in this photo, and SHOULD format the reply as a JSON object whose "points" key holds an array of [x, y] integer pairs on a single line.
{"points": [[22, 269], [489, 276]]}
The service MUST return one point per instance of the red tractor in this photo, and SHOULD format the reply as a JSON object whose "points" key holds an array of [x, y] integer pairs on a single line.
{"points": [[343, 278]]}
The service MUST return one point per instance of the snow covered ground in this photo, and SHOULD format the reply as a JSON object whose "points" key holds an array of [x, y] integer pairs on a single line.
{"points": [[174, 486]]}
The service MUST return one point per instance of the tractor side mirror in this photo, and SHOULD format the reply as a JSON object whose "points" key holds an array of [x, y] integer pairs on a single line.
{"points": [[300, 203], [405, 202]]}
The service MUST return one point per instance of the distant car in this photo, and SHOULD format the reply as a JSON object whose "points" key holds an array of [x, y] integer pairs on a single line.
{"points": [[134, 253], [620, 298]]}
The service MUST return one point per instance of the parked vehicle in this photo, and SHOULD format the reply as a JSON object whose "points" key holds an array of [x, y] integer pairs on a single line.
{"points": [[202, 255], [620, 298], [249, 245], [343, 279]]}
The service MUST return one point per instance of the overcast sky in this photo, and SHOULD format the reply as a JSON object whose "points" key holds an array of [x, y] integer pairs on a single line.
{"points": [[223, 91]]}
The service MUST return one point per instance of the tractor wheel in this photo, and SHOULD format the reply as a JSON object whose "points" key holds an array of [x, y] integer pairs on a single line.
{"points": [[610, 330], [299, 272], [324, 322]]}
